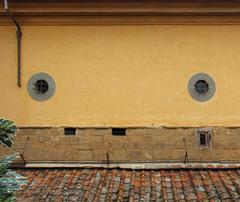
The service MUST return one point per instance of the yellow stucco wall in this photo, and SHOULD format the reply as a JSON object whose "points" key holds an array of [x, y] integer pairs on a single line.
{"points": [[122, 75]]}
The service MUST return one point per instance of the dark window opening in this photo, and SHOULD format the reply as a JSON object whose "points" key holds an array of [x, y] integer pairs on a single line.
{"points": [[204, 139], [119, 131], [201, 87], [70, 131], [41, 86]]}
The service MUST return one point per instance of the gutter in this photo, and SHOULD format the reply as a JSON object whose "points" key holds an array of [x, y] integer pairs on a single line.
{"points": [[19, 37]]}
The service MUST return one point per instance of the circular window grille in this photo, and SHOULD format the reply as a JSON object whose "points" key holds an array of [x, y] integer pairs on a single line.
{"points": [[41, 86], [201, 87]]}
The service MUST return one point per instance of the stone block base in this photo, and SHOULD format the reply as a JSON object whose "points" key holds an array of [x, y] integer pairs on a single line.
{"points": [[138, 145]]}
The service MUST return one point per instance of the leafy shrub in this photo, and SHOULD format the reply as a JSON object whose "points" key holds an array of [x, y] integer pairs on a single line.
{"points": [[10, 181]]}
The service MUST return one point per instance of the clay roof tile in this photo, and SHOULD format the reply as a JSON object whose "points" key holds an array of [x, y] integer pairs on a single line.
{"points": [[130, 185]]}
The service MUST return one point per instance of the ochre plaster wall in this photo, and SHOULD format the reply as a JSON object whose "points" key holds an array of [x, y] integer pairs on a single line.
{"points": [[128, 76]]}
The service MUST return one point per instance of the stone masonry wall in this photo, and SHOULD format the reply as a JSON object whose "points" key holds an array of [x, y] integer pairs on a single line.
{"points": [[139, 144]]}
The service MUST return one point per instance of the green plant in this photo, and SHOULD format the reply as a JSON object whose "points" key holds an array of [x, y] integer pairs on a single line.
{"points": [[10, 181], [7, 132]]}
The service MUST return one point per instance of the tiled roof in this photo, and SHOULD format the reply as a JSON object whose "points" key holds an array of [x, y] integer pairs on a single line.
{"points": [[129, 185]]}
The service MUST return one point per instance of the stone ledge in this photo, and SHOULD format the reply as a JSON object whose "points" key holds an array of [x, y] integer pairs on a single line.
{"points": [[146, 165]]}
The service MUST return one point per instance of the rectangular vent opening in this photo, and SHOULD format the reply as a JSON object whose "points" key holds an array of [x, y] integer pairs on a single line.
{"points": [[119, 131], [70, 131]]}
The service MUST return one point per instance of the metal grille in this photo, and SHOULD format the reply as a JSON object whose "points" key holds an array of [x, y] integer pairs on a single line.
{"points": [[41, 86], [201, 87]]}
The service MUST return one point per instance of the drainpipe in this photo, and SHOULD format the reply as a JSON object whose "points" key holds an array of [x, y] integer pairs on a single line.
{"points": [[19, 36]]}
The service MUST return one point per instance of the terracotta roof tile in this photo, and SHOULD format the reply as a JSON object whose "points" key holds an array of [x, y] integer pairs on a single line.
{"points": [[130, 185]]}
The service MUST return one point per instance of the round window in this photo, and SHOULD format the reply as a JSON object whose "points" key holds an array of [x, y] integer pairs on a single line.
{"points": [[201, 87], [41, 86]]}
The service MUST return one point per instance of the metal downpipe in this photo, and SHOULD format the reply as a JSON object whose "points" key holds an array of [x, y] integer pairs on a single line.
{"points": [[19, 37]]}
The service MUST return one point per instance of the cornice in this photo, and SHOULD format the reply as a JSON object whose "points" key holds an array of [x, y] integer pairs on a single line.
{"points": [[122, 12]]}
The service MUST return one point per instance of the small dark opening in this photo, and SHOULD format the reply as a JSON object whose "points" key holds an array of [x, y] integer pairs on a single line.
{"points": [[70, 131], [119, 131], [201, 87], [41, 86], [203, 139]]}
